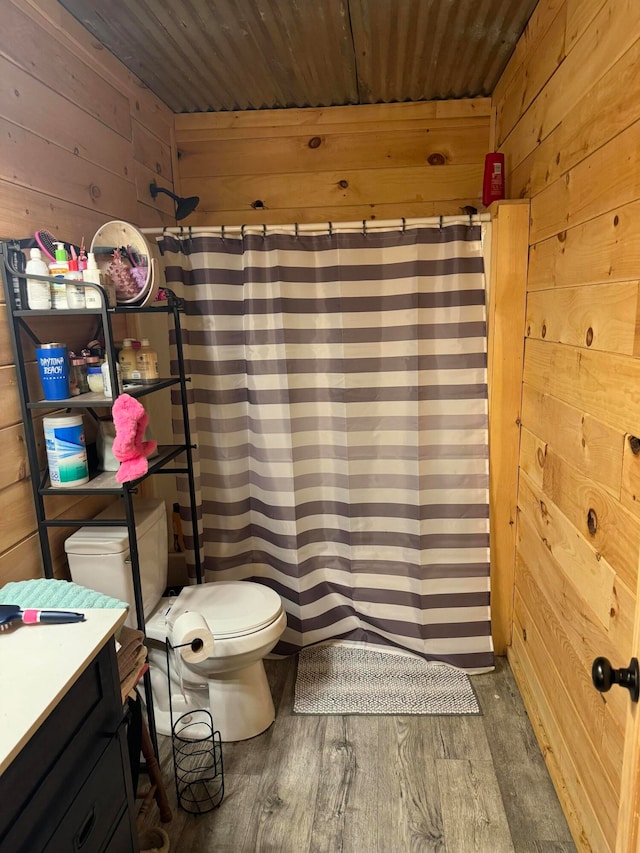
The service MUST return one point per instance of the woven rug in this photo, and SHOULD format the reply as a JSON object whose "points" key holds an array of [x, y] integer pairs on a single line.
{"points": [[340, 679]]}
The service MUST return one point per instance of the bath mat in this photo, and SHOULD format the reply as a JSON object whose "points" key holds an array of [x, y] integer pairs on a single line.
{"points": [[340, 679]]}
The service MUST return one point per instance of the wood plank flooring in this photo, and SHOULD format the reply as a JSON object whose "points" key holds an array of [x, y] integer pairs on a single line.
{"points": [[381, 784]]}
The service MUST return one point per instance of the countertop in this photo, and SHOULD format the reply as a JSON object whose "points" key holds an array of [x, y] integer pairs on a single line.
{"points": [[38, 665]]}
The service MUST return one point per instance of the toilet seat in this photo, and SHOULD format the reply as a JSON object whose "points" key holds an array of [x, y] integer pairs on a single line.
{"points": [[232, 609]]}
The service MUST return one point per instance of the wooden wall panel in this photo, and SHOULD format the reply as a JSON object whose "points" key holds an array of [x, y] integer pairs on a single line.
{"points": [[600, 317], [345, 163], [506, 318], [77, 131], [572, 148]]}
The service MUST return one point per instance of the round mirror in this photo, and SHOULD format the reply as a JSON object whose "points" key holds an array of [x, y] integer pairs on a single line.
{"points": [[123, 254]]}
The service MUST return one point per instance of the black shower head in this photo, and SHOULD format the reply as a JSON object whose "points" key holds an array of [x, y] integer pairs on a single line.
{"points": [[184, 206]]}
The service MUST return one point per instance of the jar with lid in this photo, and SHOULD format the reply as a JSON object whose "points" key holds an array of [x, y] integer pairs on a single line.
{"points": [[79, 370], [94, 378]]}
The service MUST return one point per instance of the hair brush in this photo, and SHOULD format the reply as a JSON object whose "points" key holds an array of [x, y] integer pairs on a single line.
{"points": [[12, 613], [47, 243]]}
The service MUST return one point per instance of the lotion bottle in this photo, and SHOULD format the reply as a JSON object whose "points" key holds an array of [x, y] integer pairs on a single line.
{"points": [[147, 362], [75, 290], [38, 292], [127, 360], [93, 298], [58, 269]]}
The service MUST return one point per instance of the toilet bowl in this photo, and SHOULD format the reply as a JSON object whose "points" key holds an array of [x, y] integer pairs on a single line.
{"points": [[246, 620]]}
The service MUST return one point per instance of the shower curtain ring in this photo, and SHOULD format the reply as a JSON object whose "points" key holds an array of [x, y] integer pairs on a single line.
{"points": [[242, 227], [441, 219], [364, 227], [404, 225], [330, 230], [297, 230], [470, 220], [222, 232], [264, 230]]}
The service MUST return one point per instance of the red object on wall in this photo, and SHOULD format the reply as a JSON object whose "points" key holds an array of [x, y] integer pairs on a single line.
{"points": [[493, 182]]}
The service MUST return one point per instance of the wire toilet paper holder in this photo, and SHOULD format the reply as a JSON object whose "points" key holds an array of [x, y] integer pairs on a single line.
{"points": [[197, 758]]}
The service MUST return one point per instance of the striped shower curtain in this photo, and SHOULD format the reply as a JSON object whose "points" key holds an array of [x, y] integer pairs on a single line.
{"points": [[339, 407]]}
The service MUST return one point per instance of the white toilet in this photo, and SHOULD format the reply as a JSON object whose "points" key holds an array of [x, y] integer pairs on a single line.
{"points": [[246, 620]]}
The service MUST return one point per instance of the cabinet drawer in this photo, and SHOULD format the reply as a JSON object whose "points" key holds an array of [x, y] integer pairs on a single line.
{"points": [[60, 755], [122, 840], [86, 825]]}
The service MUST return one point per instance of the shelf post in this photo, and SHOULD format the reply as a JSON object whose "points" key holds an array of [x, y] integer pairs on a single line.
{"points": [[134, 558], [187, 434], [27, 420]]}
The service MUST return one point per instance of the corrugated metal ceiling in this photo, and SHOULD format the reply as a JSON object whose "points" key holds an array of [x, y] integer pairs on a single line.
{"points": [[200, 55]]}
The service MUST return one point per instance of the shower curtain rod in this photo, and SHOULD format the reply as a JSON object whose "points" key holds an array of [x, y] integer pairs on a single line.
{"points": [[364, 225]]}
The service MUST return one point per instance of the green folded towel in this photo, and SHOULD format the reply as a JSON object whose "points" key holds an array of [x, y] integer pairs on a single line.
{"points": [[45, 592]]}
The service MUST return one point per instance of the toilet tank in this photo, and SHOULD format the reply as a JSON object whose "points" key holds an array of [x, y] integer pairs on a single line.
{"points": [[99, 556]]}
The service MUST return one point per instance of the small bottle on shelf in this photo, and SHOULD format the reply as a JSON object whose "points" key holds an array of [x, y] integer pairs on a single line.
{"points": [[74, 288], [38, 292], [58, 270], [106, 379], [93, 297], [127, 360], [147, 362]]}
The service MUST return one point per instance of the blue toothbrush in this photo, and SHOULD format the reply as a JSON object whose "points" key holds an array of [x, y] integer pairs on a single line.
{"points": [[10, 613]]}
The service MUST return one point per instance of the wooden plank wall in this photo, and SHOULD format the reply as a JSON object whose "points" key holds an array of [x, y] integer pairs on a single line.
{"points": [[380, 161], [506, 318], [568, 120], [80, 141]]}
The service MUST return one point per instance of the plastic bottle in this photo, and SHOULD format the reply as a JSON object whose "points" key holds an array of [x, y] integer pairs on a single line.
{"points": [[147, 362], [106, 379], [127, 360], [75, 291], [38, 292], [58, 269], [93, 297], [493, 181]]}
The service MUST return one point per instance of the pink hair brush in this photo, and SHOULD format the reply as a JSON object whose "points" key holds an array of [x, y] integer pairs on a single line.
{"points": [[47, 243]]}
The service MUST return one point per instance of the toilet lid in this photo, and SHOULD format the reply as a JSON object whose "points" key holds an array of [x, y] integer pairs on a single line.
{"points": [[231, 608]]}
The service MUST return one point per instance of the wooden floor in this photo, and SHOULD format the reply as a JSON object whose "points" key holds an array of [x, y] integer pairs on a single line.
{"points": [[386, 784]]}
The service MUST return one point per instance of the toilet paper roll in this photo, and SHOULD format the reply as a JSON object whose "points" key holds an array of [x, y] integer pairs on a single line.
{"points": [[192, 634]]}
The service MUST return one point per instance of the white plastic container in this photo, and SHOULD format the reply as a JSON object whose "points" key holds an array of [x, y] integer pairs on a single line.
{"points": [[94, 378], [93, 297], [99, 556], [66, 451], [106, 379], [38, 292]]}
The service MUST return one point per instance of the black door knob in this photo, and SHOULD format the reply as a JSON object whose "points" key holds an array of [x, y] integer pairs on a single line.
{"points": [[604, 676]]}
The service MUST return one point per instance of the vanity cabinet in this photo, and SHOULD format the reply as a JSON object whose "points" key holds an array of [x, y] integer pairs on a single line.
{"points": [[66, 781]]}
